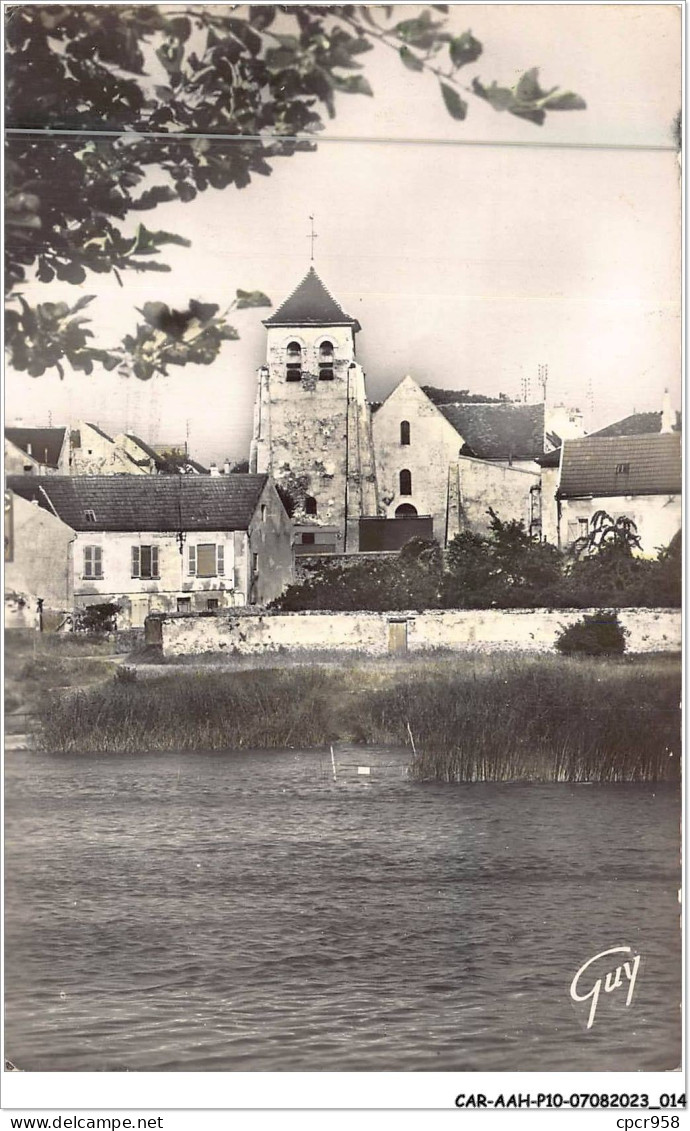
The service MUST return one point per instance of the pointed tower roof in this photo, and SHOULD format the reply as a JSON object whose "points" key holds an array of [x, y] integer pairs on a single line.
{"points": [[311, 305]]}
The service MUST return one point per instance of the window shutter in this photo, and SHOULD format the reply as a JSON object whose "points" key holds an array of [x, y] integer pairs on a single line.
{"points": [[192, 561], [88, 562], [154, 561], [220, 559], [136, 568], [97, 561]]}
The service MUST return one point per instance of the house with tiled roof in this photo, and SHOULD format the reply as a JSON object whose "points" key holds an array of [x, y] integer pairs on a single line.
{"points": [[94, 452], [632, 476], [36, 451], [166, 543]]}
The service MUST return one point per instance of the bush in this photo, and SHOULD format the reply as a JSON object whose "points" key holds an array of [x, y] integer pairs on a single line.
{"points": [[600, 634], [97, 619]]}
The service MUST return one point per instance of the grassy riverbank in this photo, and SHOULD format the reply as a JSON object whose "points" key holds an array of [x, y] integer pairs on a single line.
{"points": [[473, 718], [37, 664]]}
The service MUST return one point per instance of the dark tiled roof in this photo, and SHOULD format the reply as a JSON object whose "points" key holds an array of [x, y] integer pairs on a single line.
{"points": [[46, 443], [590, 466], [638, 424], [311, 305], [498, 431], [150, 502], [147, 450]]}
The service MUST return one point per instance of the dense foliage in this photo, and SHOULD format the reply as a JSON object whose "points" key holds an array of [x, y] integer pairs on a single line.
{"points": [[503, 569], [97, 618], [262, 77], [596, 634]]}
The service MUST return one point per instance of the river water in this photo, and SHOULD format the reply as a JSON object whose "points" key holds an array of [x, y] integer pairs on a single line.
{"points": [[225, 911]]}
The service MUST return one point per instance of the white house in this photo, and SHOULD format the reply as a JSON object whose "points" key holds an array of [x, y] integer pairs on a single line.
{"points": [[165, 543], [36, 451], [631, 476]]}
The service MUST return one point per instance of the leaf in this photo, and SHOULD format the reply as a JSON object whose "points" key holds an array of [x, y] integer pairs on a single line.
{"points": [[464, 49], [354, 84], [181, 28], [70, 272], [203, 311], [261, 16], [170, 55], [498, 96], [567, 100], [246, 35], [84, 301], [411, 61], [455, 105], [531, 113], [247, 299], [45, 273], [528, 89], [185, 191], [155, 312]]}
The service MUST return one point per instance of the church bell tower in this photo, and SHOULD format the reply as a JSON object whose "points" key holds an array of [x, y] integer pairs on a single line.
{"points": [[312, 425]]}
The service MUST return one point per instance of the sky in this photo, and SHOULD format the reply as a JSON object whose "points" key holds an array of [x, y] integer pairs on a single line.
{"points": [[467, 265]]}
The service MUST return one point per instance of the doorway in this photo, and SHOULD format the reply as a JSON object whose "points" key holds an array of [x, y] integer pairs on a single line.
{"points": [[397, 636]]}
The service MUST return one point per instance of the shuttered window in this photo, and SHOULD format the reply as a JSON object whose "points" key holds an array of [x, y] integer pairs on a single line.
{"points": [[145, 561], [93, 561], [206, 560]]}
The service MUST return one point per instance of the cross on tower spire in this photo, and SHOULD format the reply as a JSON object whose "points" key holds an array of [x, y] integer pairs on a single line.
{"points": [[312, 236]]}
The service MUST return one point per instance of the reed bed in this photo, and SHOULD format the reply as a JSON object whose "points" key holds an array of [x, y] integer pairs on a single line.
{"points": [[540, 719], [472, 719]]}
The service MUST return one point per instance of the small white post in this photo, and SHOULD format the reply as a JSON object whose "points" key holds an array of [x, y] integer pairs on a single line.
{"points": [[333, 764], [409, 731]]}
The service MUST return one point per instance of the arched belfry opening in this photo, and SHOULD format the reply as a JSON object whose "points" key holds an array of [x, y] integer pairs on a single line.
{"points": [[293, 366], [326, 361]]}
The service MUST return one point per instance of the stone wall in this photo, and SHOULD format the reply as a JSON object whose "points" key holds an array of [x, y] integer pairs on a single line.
{"points": [[460, 630]]}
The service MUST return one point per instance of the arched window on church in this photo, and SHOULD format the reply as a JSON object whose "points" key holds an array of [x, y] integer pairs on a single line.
{"points": [[310, 505], [293, 369], [326, 361], [405, 482], [404, 431]]}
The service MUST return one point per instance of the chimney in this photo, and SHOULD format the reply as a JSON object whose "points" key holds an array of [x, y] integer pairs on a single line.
{"points": [[213, 469], [226, 467], [668, 417]]}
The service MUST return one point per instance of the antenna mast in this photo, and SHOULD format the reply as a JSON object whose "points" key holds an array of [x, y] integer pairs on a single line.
{"points": [[543, 378]]}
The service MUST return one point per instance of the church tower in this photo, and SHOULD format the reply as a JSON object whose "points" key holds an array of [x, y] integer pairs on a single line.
{"points": [[312, 424]]}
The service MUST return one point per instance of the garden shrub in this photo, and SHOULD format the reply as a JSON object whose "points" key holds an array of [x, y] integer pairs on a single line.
{"points": [[97, 619], [596, 634]]}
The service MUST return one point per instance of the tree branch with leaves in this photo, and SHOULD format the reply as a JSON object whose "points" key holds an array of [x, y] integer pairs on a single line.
{"points": [[260, 77]]}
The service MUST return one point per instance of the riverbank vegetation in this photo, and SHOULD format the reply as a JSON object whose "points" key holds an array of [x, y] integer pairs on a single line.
{"points": [[37, 664], [475, 718]]}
